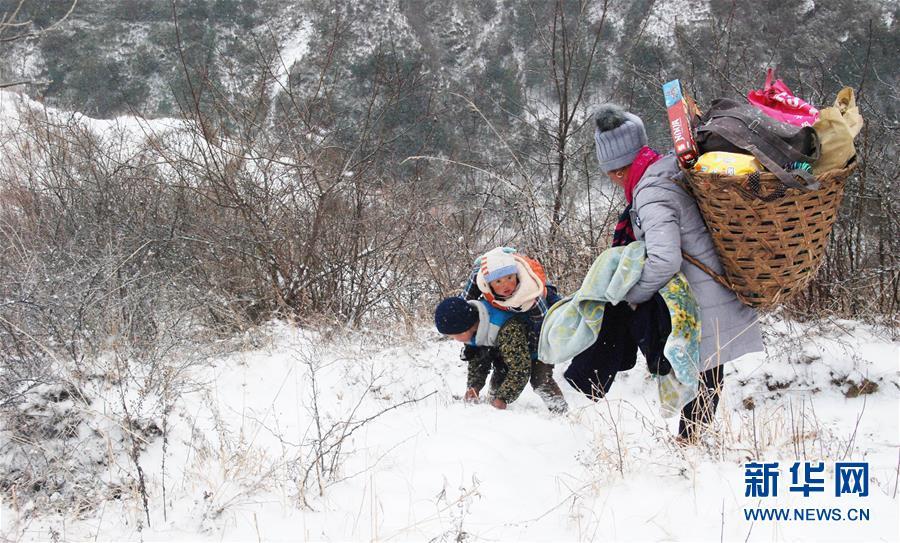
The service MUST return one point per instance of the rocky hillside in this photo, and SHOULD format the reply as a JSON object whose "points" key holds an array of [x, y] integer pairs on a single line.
{"points": [[454, 95], [107, 58]]}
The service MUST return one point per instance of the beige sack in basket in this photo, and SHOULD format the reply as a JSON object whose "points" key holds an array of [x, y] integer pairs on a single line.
{"points": [[836, 127]]}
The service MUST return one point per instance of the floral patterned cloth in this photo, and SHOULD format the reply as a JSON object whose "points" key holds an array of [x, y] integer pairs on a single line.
{"points": [[572, 324]]}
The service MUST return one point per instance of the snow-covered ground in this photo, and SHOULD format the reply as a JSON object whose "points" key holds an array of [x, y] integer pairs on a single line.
{"points": [[401, 458]]}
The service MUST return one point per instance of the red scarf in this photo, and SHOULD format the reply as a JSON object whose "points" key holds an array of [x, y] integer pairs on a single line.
{"points": [[644, 158], [624, 234]]}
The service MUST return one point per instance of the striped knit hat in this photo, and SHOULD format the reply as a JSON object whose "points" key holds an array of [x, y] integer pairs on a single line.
{"points": [[618, 136], [496, 264]]}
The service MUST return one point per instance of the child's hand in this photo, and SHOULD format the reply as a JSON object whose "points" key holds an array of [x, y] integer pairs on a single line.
{"points": [[499, 404], [471, 396]]}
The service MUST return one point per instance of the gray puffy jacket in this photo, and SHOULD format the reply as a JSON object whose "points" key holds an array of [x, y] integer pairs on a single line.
{"points": [[668, 220]]}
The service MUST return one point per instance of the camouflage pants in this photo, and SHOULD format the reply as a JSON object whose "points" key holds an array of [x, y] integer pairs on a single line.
{"points": [[503, 382], [541, 380]]}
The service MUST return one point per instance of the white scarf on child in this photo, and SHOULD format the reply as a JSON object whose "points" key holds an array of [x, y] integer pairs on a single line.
{"points": [[526, 295]]}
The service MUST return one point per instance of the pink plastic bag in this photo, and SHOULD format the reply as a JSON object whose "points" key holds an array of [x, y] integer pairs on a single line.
{"points": [[777, 101]]}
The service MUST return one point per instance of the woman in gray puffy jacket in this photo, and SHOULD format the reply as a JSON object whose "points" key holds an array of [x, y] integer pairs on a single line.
{"points": [[667, 219]]}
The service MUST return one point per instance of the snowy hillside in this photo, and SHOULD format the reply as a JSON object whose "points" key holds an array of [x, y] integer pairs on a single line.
{"points": [[364, 437], [224, 226]]}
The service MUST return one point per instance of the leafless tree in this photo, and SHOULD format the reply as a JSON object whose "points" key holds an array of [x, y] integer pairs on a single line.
{"points": [[14, 30]]}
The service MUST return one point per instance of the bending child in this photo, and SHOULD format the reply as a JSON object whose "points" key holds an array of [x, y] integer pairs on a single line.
{"points": [[497, 340]]}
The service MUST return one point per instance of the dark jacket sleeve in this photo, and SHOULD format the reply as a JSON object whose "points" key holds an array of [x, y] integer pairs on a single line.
{"points": [[552, 295], [471, 290], [659, 218], [514, 351]]}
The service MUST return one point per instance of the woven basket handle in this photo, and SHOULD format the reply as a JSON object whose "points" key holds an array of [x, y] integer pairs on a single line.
{"points": [[680, 179], [718, 278]]}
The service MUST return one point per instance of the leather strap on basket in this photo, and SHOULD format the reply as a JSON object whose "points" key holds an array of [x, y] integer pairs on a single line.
{"points": [[680, 179], [809, 183]]}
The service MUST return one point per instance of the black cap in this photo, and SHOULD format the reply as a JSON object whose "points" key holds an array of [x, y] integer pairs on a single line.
{"points": [[454, 316]]}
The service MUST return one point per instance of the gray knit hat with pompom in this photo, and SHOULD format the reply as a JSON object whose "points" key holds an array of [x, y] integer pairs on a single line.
{"points": [[618, 136]]}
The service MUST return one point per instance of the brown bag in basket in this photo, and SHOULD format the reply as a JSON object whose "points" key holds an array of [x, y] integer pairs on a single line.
{"points": [[837, 127]]}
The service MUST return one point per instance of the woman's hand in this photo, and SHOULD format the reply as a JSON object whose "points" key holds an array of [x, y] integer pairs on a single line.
{"points": [[498, 403]]}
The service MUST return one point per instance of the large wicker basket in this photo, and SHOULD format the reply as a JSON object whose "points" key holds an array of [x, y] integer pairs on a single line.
{"points": [[769, 239]]}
